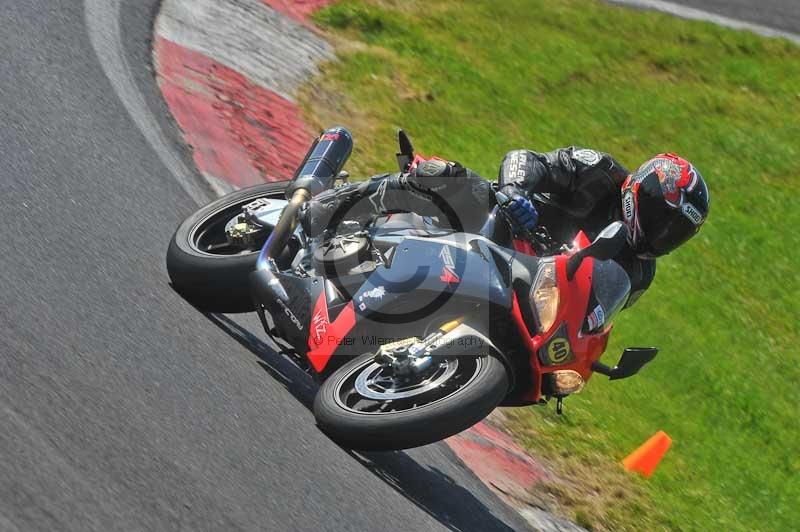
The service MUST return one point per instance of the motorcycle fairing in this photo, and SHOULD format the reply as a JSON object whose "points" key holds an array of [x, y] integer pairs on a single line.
{"points": [[584, 348], [418, 267], [326, 335], [291, 318], [411, 278]]}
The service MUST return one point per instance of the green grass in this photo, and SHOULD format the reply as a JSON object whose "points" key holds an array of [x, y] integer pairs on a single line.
{"points": [[471, 80]]}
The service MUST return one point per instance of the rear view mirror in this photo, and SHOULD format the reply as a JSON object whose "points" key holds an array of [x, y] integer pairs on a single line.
{"points": [[609, 242], [606, 246], [632, 361]]}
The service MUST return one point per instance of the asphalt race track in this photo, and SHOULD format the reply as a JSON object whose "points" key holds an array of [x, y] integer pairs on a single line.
{"points": [[779, 14], [121, 406]]}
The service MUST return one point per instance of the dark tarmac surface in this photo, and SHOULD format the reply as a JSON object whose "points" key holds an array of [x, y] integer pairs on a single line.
{"points": [[121, 406], [778, 14]]}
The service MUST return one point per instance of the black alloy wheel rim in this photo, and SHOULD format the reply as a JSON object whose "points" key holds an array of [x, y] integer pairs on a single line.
{"points": [[208, 236], [373, 389]]}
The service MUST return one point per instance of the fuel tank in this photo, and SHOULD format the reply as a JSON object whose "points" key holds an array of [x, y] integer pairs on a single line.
{"points": [[429, 275]]}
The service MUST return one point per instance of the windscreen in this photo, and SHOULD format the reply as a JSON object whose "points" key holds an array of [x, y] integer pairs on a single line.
{"points": [[610, 290]]}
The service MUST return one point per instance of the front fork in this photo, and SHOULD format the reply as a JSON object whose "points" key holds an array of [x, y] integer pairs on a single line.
{"points": [[413, 356]]}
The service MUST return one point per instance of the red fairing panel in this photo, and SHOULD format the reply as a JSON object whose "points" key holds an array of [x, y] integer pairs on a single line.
{"points": [[587, 348], [572, 309], [324, 336]]}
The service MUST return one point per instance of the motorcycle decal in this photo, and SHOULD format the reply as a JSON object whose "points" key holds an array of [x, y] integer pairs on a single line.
{"points": [[376, 293], [290, 314], [335, 332], [449, 275], [558, 349], [596, 318], [319, 325]]}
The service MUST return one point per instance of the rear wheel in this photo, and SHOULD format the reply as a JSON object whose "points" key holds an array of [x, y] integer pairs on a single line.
{"points": [[365, 406], [203, 267]]}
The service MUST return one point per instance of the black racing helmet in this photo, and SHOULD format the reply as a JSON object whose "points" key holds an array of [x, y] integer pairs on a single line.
{"points": [[664, 204]]}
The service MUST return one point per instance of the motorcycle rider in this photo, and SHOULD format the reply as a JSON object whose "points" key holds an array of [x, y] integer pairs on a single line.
{"points": [[664, 203]]}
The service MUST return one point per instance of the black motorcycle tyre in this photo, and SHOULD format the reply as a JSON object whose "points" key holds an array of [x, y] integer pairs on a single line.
{"points": [[215, 283], [412, 428]]}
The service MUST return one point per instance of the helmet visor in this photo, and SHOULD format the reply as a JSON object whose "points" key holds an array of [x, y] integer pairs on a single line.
{"points": [[669, 235]]}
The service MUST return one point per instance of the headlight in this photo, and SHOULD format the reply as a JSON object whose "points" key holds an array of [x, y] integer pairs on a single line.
{"points": [[566, 381], [544, 295]]}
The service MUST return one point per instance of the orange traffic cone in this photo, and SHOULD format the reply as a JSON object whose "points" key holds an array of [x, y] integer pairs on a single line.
{"points": [[645, 459]]}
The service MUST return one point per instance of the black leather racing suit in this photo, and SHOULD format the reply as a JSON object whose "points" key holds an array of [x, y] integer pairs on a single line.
{"points": [[437, 188], [580, 190]]}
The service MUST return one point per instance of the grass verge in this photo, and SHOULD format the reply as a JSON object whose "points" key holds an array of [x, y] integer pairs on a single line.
{"points": [[471, 80]]}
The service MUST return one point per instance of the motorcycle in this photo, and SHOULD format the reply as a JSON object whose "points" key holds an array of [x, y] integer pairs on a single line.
{"points": [[414, 328]]}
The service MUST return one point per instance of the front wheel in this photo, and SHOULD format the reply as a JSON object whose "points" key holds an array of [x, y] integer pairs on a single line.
{"points": [[364, 406]]}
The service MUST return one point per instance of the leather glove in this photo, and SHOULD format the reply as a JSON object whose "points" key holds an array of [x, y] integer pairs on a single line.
{"points": [[520, 211]]}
